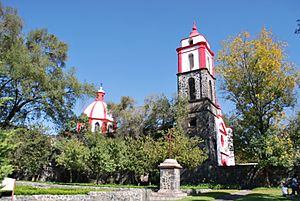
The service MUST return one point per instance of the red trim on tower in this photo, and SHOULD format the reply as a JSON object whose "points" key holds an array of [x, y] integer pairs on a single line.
{"points": [[199, 55], [179, 62], [213, 65], [101, 119], [199, 43], [202, 56]]}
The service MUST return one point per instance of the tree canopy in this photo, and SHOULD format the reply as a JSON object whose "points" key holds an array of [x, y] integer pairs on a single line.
{"points": [[33, 74], [260, 81]]}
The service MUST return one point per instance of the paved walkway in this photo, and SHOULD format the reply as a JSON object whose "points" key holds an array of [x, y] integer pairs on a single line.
{"points": [[234, 196]]}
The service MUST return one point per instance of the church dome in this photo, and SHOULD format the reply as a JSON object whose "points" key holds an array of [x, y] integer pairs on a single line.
{"points": [[98, 114], [98, 108]]}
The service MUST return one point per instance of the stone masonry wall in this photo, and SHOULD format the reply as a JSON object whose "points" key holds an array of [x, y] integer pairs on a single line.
{"points": [[124, 195]]}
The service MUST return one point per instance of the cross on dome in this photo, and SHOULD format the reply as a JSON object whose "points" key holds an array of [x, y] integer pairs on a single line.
{"points": [[194, 31]]}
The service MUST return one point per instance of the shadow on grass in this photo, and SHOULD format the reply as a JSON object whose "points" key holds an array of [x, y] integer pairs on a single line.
{"points": [[265, 197], [209, 196]]}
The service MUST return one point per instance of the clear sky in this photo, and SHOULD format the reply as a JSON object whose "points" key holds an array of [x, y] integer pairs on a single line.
{"points": [[130, 46]]}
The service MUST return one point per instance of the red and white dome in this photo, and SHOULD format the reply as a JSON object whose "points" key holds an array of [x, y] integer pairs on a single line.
{"points": [[99, 118]]}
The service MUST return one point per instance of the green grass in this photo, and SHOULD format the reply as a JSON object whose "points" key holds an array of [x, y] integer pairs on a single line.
{"points": [[265, 194], [214, 194], [257, 194], [29, 190]]}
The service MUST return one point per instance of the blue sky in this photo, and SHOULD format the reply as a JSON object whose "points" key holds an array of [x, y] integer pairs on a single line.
{"points": [[130, 46]]}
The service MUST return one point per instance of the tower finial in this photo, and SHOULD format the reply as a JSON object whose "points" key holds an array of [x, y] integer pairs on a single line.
{"points": [[194, 30], [194, 26]]}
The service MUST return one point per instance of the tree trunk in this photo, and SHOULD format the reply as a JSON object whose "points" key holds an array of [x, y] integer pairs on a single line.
{"points": [[267, 177], [71, 176]]}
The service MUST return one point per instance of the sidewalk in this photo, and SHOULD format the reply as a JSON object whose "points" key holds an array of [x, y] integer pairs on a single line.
{"points": [[234, 196]]}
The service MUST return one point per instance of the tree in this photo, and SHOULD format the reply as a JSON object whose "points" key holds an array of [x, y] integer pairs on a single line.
{"points": [[5, 147], [159, 115], [33, 74], [73, 155], [260, 82], [292, 130], [106, 156], [32, 152], [129, 117]]}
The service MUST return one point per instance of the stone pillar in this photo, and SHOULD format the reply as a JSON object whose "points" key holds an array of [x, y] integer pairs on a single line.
{"points": [[170, 181]]}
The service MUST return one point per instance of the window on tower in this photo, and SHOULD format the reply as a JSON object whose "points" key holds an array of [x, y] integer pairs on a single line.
{"points": [[191, 61], [191, 42], [211, 91], [192, 89]]}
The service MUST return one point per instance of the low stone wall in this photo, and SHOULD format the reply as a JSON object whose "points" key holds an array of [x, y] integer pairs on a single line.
{"points": [[124, 195], [244, 176], [113, 194]]}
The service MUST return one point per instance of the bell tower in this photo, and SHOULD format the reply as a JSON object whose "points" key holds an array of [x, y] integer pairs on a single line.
{"points": [[197, 82]]}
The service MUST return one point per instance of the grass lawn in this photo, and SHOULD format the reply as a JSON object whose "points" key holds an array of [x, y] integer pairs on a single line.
{"points": [[211, 195], [257, 194], [264, 194]]}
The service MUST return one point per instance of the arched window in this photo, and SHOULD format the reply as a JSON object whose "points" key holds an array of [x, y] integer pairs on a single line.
{"points": [[191, 61], [191, 42], [192, 88], [97, 127], [210, 91]]}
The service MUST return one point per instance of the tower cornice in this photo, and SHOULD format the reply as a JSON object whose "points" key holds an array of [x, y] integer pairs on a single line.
{"points": [[193, 45]]}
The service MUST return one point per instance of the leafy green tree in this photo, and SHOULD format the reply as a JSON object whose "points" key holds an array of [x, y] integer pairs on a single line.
{"points": [[32, 152], [292, 131], [260, 82], [73, 155], [33, 73], [106, 156], [5, 148], [159, 115], [129, 117]]}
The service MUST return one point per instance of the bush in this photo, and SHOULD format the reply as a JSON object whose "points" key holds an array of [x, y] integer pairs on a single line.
{"points": [[29, 190]]}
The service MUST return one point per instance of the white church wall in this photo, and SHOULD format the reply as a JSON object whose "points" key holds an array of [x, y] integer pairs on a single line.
{"points": [[185, 59]]}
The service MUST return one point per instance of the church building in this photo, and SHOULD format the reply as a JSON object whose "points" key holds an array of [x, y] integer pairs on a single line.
{"points": [[99, 118], [197, 82]]}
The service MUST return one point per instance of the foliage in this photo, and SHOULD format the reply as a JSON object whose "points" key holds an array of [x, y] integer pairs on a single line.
{"points": [[32, 152], [186, 149], [5, 147], [129, 118], [292, 131], [158, 115], [33, 74], [72, 155], [260, 82], [29, 190]]}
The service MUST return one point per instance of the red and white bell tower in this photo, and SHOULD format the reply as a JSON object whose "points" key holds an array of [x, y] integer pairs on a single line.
{"points": [[195, 53], [196, 81]]}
